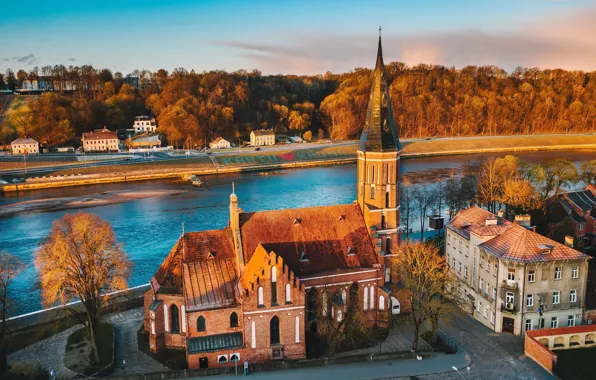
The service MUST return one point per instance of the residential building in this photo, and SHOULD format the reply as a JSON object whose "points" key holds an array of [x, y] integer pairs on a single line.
{"points": [[512, 278], [101, 140], [220, 143], [25, 146], [262, 137], [249, 290], [144, 124], [578, 209]]}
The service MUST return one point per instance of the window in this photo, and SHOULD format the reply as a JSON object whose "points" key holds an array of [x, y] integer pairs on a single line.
{"points": [[222, 358], [509, 300], [388, 246], [233, 320], [381, 303], [339, 316], [201, 325], [175, 320], [253, 335], [485, 312], [465, 272], [365, 306], [580, 226], [528, 324], [575, 272], [165, 317], [297, 330], [487, 289], [557, 273], [288, 293], [372, 297], [459, 269], [481, 261], [495, 269], [481, 285], [260, 296], [273, 286], [530, 300], [511, 274], [387, 274], [573, 296], [492, 318], [372, 191], [372, 174], [571, 321], [531, 275], [479, 306], [554, 322], [274, 330], [555, 297], [488, 267], [473, 282], [494, 293]]}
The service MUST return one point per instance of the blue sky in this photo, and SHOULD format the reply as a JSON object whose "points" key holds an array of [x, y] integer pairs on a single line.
{"points": [[301, 37]]}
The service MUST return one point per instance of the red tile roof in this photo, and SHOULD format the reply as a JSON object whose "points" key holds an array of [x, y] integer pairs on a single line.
{"points": [[100, 135], [474, 219], [196, 246], [561, 331], [210, 283], [520, 244], [321, 233]]}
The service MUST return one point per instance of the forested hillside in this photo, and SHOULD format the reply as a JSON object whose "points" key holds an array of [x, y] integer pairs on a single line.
{"points": [[193, 107]]}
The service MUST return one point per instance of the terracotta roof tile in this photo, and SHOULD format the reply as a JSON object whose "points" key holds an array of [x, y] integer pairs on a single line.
{"points": [[474, 219], [320, 233], [522, 245], [561, 331], [210, 283]]}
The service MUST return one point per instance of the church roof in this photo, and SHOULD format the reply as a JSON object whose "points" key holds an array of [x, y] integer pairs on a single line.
{"points": [[210, 283], [379, 133], [311, 240]]}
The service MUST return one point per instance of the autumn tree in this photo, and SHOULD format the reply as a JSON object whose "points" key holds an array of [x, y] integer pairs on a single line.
{"points": [[433, 289], [553, 176], [10, 266], [81, 260], [588, 173]]}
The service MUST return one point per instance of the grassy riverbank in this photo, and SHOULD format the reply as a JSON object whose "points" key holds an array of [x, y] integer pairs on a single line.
{"points": [[294, 158]]}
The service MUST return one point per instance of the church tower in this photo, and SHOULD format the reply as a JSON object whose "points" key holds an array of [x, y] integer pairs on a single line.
{"points": [[378, 165]]}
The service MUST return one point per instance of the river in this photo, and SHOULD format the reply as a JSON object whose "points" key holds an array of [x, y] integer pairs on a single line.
{"points": [[149, 227]]}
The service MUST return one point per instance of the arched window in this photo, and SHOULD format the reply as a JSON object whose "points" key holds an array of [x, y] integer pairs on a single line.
{"points": [[201, 325], [165, 317], [260, 296], [222, 359], [381, 303], [372, 174], [234, 320], [383, 221], [297, 329], [372, 297], [234, 358], [274, 330], [174, 320], [343, 296], [273, 285], [388, 246], [288, 293], [365, 305]]}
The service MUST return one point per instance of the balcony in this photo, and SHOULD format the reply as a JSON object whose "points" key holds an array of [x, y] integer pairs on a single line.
{"points": [[509, 307]]}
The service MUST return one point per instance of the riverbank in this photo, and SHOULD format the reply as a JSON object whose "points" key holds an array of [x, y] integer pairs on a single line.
{"points": [[295, 158]]}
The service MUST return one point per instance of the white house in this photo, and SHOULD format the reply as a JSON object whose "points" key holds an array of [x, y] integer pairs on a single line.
{"points": [[144, 124], [262, 137], [219, 143], [25, 146]]}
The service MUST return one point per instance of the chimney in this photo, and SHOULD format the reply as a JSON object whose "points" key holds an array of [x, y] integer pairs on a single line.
{"points": [[491, 221], [235, 227], [500, 213], [524, 220]]}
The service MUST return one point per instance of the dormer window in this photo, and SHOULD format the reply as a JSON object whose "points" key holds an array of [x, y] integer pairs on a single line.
{"points": [[210, 255], [546, 249], [341, 217], [303, 256], [351, 252], [297, 221]]}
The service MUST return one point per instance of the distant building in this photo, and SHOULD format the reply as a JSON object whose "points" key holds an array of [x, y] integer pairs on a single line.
{"points": [[101, 140], [219, 143], [65, 149], [513, 279], [579, 208], [148, 140], [42, 83], [296, 139], [25, 146], [262, 137], [144, 124]]}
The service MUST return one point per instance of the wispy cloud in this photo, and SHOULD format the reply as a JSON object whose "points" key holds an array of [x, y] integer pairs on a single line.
{"points": [[71, 60], [28, 59], [565, 40]]}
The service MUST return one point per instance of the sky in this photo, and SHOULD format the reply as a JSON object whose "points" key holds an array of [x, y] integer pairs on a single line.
{"points": [[297, 37]]}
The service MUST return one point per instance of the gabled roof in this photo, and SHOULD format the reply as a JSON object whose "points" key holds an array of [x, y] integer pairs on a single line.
{"points": [[321, 235], [474, 219], [194, 247], [218, 140], [102, 134], [263, 132], [25, 141], [379, 133], [210, 283], [522, 245]]}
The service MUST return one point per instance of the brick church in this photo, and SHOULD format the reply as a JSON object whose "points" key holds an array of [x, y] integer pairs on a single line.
{"points": [[246, 292]]}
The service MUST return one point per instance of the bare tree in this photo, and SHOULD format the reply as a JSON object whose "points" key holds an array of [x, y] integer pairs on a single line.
{"points": [[81, 260], [10, 266], [408, 211], [424, 200]]}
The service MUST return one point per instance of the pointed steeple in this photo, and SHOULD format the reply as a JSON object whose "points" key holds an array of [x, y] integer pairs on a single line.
{"points": [[379, 133]]}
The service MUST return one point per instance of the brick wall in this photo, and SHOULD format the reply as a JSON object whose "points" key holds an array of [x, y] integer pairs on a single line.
{"points": [[541, 355], [216, 322]]}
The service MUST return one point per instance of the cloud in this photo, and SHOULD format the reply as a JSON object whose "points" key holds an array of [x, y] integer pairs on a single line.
{"points": [[28, 59], [71, 59], [565, 40]]}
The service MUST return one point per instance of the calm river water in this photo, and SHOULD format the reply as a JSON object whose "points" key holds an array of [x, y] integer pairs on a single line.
{"points": [[149, 227]]}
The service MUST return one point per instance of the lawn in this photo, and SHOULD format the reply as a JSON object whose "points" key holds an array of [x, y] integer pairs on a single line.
{"points": [[576, 364], [173, 359], [79, 355]]}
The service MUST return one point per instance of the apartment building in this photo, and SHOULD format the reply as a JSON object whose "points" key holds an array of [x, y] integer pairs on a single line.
{"points": [[512, 278]]}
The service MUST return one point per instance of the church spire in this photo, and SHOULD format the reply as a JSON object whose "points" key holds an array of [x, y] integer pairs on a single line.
{"points": [[379, 133]]}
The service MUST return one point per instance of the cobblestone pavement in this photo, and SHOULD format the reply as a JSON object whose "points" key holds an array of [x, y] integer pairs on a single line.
{"points": [[126, 325], [49, 353], [494, 355], [399, 339]]}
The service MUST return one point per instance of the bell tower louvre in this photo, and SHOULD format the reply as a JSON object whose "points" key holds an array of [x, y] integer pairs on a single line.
{"points": [[378, 165]]}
